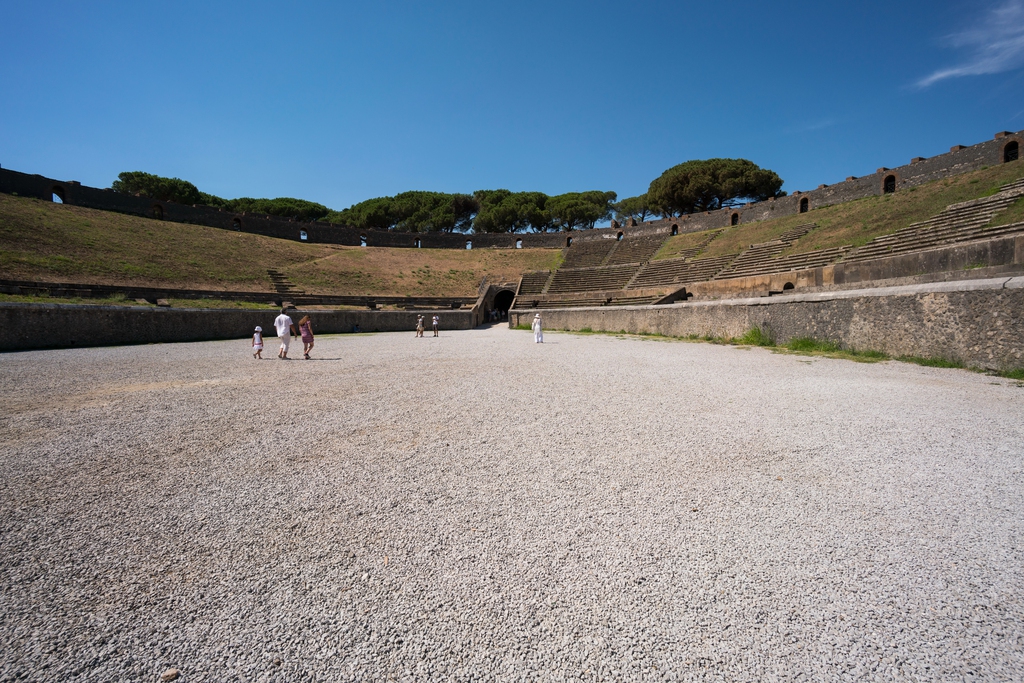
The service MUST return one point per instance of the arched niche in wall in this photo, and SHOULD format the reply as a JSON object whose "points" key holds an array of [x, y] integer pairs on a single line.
{"points": [[675, 229], [805, 204], [158, 212], [303, 235], [568, 241], [889, 183], [469, 244], [236, 224], [57, 195], [362, 240], [1011, 151], [734, 219], [417, 243], [519, 244], [619, 237]]}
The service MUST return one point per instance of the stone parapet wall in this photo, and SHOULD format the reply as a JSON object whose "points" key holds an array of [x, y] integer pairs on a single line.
{"points": [[55, 326], [979, 322]]}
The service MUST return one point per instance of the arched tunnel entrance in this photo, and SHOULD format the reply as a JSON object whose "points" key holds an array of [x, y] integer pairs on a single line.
{"points": [[503, 302]]}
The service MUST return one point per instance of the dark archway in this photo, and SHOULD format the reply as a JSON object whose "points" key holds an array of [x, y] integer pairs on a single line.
{"points": [[418, 243], [619, 237], [568, 241], [519, 244], [805, 204], [734, 219], [889, 184], [1011, 152], [788, 285], [675, 230], [236, 224], [158, 212], [58, 194], [362, 240], [503, 300]]}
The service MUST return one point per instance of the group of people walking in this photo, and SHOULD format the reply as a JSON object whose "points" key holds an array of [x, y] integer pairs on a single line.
{"points": [[285, 328], [434, 323]]}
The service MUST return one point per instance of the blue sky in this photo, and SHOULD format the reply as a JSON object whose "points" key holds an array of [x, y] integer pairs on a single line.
{"points": [[338, 102]]}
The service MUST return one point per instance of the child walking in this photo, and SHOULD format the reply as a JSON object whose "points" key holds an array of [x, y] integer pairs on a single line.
{"points": [[306, 331], [257, 343]]}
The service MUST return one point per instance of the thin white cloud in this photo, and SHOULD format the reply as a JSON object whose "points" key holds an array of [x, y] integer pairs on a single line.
{"points": [[996, 44]]}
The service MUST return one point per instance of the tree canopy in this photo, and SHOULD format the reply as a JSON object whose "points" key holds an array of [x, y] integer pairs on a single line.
{"points": [[415, 211], [183, 192], [709, 184], [157, 187], [287, 207], [505, 211], [575, 210], [638, 207], [486, 211]]}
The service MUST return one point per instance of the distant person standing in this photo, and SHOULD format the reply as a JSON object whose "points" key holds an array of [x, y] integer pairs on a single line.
{"points": [[257, 343], [434, 323], [419, 326], [306, 330], [538, 332], [285, 328]]}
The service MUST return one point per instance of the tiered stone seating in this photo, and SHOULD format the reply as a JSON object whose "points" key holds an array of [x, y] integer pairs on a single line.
{"points": [[633, 300], [533, 282], [801, 261], [546, 302], [567, 280], [694, 251], [636, 249], [586, 253], [754, 260], [961, 222], [679, 271]]}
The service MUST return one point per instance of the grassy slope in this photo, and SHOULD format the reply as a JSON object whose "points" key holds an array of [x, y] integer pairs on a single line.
{"points": [[53, 242], [858, 221]]}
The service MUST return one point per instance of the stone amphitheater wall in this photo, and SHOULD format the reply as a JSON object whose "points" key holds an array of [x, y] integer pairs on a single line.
{"points": [[55, 326], [959, 159], [979, 323]]}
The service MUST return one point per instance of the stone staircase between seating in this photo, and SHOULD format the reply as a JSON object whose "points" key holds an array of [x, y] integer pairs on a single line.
{"points": [[569, 280], [754, 259], [679, 271], [534, 282], [635, 250], [587, 253]]}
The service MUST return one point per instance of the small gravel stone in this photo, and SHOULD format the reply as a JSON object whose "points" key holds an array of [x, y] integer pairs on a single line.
{"points": [[478, 507]]}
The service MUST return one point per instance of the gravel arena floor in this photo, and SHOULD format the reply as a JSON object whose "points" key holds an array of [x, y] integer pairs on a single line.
{"points": [[478, 507]]}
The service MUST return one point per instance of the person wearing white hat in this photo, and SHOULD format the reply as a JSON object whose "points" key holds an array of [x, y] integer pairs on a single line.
{"points": [[538, 333], [257, 343]]}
